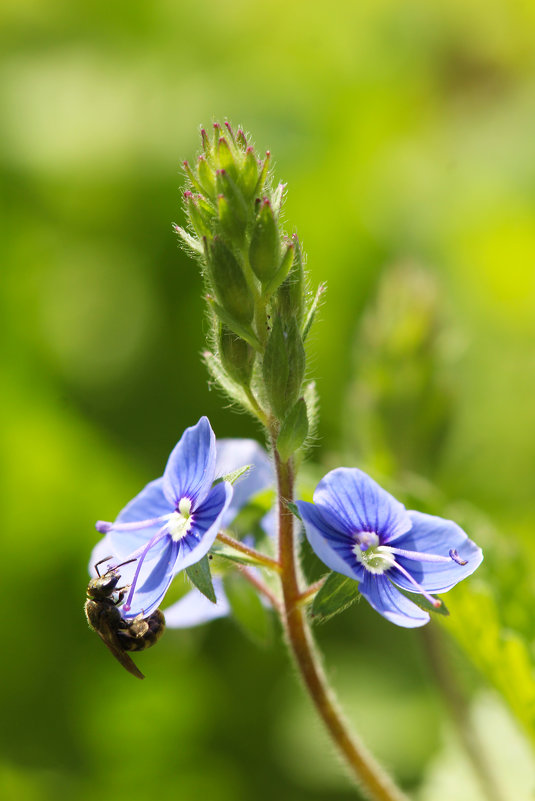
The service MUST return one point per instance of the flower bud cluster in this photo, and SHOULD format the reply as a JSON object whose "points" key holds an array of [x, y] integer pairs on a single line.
{"points": [[255, 280]]}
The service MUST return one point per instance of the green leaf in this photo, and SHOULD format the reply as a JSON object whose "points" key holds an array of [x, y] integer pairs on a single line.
{"points": [[337, 594], [293, 509], [234, 476], [199, 574], [247, 608], [423, 603]]}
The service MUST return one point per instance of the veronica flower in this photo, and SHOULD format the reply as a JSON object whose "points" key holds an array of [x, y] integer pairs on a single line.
{"points": [[171, 524], [359, 530], [193, 609]]}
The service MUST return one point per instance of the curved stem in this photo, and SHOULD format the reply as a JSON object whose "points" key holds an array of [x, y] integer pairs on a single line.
{"points": [[369, 775], [261, 587]]}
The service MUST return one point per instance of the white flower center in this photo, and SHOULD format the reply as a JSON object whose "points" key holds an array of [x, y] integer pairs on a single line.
{"points": [[375, 558], [179, 523]]}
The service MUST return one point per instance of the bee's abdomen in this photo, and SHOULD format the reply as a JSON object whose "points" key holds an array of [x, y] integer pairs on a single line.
{"points": [[142, 634]]}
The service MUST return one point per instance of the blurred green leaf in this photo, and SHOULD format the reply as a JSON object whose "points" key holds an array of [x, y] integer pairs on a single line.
{"points": [[247, 608], [501, 655]]}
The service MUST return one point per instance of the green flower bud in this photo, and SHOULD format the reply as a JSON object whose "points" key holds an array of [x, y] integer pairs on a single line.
{"points": [[226, 158], [249, 173], [206, 177], [200, 218], [281, 273], [283, 366], [229, 282], [296, 362], [235, 212], [290, 297], [294, 430], [264, 250], [275, 369], [237, 357]]}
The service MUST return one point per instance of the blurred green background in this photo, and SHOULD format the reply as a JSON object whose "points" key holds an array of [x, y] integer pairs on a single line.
{"points": [[405, 132]]}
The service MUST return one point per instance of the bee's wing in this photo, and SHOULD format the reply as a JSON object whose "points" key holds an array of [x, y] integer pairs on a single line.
{"points": [[109, 638]]}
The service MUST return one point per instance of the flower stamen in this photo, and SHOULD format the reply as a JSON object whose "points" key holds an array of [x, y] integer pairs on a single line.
{"points": [[144, 553], [436, 603]]}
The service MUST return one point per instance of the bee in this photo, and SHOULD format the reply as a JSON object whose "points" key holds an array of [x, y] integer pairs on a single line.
{"points": [[117, 634]]}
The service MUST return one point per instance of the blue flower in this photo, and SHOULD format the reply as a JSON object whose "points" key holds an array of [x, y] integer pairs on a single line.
{"points": [[194, 609], [123, 541], [171, 524], [359, 530]]}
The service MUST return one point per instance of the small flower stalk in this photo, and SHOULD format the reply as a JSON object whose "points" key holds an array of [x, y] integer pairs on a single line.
{"points": [[224, 513]]}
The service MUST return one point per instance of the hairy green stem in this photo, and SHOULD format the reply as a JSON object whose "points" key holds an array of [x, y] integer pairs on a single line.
{"points": [[365, 770]]}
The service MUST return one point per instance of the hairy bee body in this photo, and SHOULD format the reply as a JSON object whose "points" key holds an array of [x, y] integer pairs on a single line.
{"points": [[117, 634], [141, 633]]}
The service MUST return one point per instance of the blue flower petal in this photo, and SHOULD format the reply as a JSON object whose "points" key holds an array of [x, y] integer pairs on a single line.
{"points": [[352, 502], [235, 453], [105, 550], [102, 550], [190, 469], [333, 547], [390, 603], [194, 609], [206, 523], [435, 535], [153, 581], [148, 504]]}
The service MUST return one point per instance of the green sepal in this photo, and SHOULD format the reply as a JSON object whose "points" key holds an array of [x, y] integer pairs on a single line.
{"points": [[281, 273], [226, 157], [206, 177], [194, 244], [312, 310], [199, 574], [338, 593], [293, 431], [262, 178], [233, 227], [296, 363], [232, 477], [290, 297], [423, 603], [247, 608], [229, 387], [237, 356], [310, 395], [198, 219], [245, 332], [277, 198], [275, 369], [264, 250], [249, 173], [193, 179], [227, 187], [229, 282]]}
